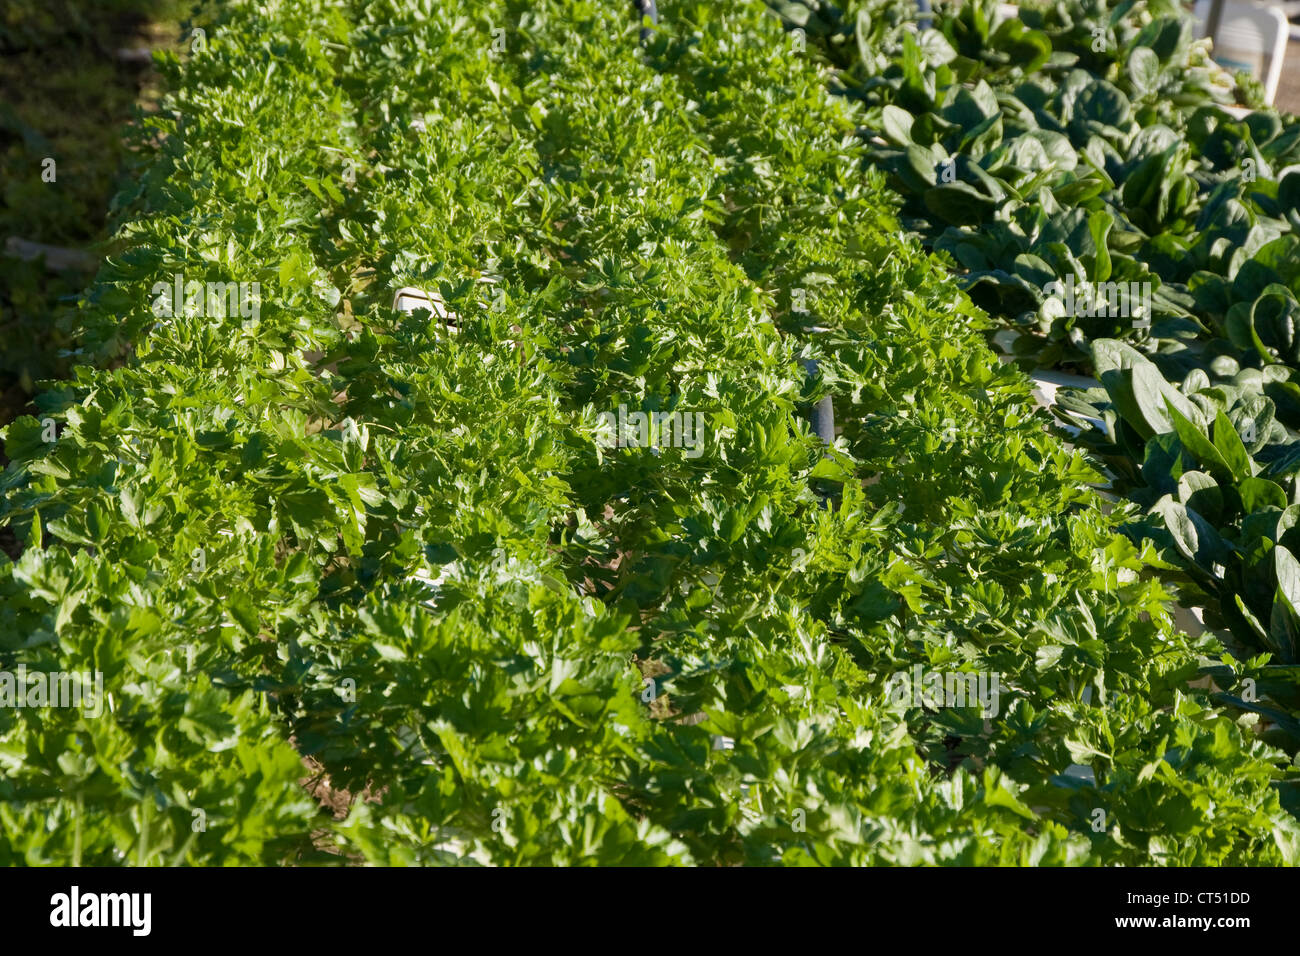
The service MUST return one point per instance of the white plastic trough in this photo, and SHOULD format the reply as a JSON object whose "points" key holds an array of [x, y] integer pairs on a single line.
{"points": [[1251, 36], [411, 299]]}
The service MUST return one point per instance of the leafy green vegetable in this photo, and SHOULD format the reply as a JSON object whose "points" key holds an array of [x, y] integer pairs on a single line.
{"points": [[1167, 190], [335, 542]]}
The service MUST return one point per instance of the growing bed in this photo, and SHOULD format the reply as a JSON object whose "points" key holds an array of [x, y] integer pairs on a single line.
{"points": [[588, 601]]}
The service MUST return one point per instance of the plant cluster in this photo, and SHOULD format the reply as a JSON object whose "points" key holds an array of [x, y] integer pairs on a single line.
{"points": [[336, 549], [1088, 143]]}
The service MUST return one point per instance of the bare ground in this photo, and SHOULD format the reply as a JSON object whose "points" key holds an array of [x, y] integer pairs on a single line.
{"points": [[1288, 88]]}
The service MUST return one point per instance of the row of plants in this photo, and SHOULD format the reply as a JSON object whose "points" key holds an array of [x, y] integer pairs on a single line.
{"points": [[1086, 144], [322, 547]]}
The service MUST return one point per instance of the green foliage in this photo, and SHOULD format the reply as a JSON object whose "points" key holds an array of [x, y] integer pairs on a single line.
{"points": [[1087, 140], [339, 530], [1107, 157]]}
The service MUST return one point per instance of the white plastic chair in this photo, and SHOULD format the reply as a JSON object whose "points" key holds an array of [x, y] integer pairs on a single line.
{"points": [[1252, 36]]}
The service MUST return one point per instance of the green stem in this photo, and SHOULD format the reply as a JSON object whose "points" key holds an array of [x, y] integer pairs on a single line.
{"points": [[144, 832], [76, 831]]}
